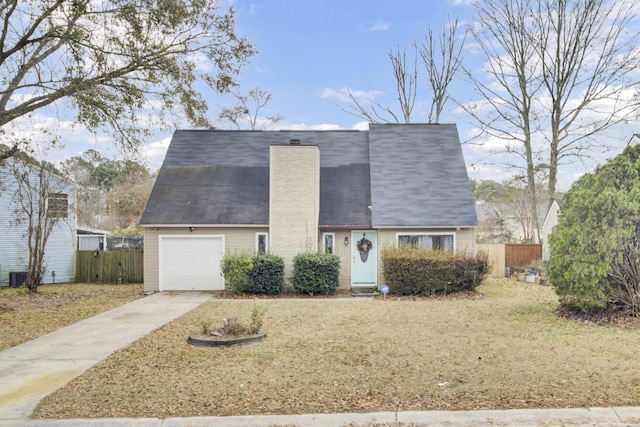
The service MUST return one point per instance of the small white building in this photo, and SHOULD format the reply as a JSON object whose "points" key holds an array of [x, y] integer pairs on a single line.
{"points": [[90, 239]]}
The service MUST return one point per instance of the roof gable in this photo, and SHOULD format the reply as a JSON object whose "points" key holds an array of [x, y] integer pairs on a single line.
{"points": [[418, 177]]}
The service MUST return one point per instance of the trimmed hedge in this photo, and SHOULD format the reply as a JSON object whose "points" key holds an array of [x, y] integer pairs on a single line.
{"points": [[235, 269], [316, 273], [414, 271], [267, 275]]}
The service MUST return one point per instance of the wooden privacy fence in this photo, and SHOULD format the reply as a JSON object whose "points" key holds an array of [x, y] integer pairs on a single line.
{"points": [[495, 254], [109, 267], [520, 256], [514, 256]]}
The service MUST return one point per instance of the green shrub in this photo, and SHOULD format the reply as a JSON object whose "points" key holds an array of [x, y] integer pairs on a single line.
{"points": [[593, 245], [266, 276], [235, 269], [316, 273], [409, 270]]}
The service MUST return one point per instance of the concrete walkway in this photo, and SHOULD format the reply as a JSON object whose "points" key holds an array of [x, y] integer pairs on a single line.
{"points": [[31, 371]]}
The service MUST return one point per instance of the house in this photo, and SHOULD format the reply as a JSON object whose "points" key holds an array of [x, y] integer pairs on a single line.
{"points": [[550, 221], [57, 195], [347, 192], [504, 223]]}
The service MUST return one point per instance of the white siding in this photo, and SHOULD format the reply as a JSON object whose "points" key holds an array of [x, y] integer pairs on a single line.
{"points": [[14, 253], [550, 221]]}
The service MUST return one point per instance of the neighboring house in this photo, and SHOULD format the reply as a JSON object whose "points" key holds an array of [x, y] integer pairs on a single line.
{"points": [[286, 192], [499, 223], [550, 221], [59, 260]]}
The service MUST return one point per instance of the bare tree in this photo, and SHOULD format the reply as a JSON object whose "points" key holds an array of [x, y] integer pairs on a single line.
{"points": [[507, 209], [522, 207], [42, 203], [589, 57], [247, 110], [406, 78], [442, 57], [503, 37], [560, 74]]}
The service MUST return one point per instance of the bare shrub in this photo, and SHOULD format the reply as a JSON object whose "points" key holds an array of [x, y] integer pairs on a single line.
{"points": [[624, 278]]}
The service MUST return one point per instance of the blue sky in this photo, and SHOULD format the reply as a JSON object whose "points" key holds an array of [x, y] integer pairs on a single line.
{"points": [[309, 48], [309, 52]]}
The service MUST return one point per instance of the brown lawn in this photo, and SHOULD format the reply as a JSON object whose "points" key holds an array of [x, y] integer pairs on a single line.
{"points": [[26, 316], [504, 349]]}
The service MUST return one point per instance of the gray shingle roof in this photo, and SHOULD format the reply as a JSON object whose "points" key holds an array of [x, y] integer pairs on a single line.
{"points": [[222, 177], [418, 176]]}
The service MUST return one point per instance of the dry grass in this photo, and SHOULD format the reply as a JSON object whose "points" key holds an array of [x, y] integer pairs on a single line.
{"points": [[504, 350], [26, 316]]}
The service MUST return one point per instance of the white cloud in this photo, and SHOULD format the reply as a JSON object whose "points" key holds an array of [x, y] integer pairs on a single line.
{"points": [[155, 152], [303, 126], [343, 94], [379, 26], [360, 126], [202, 63]]}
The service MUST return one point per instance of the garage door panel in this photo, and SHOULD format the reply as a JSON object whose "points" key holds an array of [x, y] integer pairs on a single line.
{"points": [[191, 263]]}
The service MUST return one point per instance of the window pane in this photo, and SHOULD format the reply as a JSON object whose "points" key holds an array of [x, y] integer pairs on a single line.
{"points": [[427, 241], [328, 243], [262, 243]]}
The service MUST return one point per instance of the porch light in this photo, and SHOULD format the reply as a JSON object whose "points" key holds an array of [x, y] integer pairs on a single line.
{"points": [[346, 241]]}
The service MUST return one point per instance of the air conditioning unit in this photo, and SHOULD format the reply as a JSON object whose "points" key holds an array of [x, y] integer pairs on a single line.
{"points": [[17, 278]]}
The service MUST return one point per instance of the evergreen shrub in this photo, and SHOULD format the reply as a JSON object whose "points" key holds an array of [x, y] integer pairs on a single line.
{"points": [[594, 261], [316, 273], [235, 269], [267, 275]]}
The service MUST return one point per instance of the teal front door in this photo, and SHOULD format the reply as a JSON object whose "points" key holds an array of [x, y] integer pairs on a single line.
{"points": [[364, 258]]}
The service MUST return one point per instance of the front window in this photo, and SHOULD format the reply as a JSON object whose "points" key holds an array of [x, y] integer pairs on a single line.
{"points": [[328, 242], [444, 242], [262, 243]]}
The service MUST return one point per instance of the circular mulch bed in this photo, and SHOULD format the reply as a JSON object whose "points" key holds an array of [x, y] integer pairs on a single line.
{"points": [[205, 340]]}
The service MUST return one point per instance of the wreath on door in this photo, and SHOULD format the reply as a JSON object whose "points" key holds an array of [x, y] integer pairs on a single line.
{"points": [[364, 245]]}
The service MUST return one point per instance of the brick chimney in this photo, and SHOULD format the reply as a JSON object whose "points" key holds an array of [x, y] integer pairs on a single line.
{"points": [[294, 200]]}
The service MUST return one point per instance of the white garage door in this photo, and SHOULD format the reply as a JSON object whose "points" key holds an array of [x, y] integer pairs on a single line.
{"points": [[191, 263]]}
